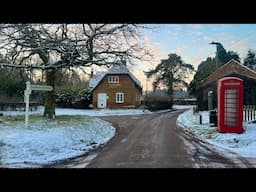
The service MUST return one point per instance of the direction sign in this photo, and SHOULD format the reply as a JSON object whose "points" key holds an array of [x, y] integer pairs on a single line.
{"points": [[27, 92], [41, 87]]}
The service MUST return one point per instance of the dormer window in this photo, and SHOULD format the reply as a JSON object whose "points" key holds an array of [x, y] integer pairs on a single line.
{"points": [[113, 79]]}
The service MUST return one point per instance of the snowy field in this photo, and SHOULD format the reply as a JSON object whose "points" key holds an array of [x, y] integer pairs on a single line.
{"points": [[46, 142], [244, 143], [89, 112]]}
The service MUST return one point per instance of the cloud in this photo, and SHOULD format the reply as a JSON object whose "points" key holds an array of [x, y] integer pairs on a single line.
{"points": [[175, 35], [176, 27], [240, 46], [196, 32], [218, 37], [146, 83], [181, 49], [157, 49], [196, 26]]}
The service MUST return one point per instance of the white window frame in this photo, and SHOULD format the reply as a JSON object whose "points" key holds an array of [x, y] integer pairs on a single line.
{"points": [[113, 79], [118, 98]]}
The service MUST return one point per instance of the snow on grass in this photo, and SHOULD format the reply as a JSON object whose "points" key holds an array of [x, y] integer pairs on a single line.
{"points": [[244, 143], [90, 112], [182, 106], [46, 142], [101, 112]]}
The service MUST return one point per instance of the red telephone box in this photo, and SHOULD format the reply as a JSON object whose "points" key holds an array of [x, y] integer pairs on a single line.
{"points": [[230, 105]]}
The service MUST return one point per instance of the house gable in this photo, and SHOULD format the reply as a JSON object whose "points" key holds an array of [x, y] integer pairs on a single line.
{"points": [[231, 67], [126, 87], [124, 82], [116, 70]]}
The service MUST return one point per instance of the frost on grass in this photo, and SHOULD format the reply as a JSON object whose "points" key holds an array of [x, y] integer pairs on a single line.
{"points": [[244, 143], [89, 112], [46, 142], [183, 106]]}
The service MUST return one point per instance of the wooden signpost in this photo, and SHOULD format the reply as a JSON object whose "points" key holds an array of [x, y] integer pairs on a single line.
{"points": [[27, 92]]}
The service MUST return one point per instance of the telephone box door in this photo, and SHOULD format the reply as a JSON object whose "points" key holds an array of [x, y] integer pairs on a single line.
{"points": [[230, 105]]}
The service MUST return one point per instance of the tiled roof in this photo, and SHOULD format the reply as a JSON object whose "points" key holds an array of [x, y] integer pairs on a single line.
{"points": [[230, 67]]}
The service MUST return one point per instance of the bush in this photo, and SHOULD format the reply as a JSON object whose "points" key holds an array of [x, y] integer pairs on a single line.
{"points": [[73, 97], [12, 87], [154, 103]]}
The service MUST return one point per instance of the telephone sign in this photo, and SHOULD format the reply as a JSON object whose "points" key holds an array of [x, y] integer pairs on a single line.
{"points": [[230, 105]]}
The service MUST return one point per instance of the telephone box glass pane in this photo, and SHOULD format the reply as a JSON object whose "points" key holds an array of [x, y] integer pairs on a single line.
{"points": [[231, 107]]}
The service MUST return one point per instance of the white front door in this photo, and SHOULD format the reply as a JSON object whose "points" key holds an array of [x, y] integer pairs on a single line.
{"points": [[102, 100]]}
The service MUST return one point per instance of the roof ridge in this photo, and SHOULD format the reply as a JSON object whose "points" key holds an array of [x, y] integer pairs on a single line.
{"points": [[115, 69], [233, 70]]}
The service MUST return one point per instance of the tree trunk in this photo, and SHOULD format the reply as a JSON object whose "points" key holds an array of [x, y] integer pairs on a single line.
{"points": [[49, 106], [170, 85]]}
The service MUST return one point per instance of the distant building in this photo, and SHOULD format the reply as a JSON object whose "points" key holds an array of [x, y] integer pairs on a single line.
{"points": [[183, 97], [116, 88]]}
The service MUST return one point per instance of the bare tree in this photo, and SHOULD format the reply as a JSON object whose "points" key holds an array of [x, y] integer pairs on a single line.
{"points": [[53, 46]]}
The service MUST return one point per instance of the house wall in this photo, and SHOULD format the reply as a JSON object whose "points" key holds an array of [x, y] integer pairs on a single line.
{"points": [[126, 85]]}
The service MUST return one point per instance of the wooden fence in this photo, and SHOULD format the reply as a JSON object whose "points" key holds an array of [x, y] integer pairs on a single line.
{"points": [[249, 113]]}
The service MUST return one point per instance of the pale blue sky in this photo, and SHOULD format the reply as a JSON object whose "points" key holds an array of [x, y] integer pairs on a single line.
{"points": [[191, 42]]}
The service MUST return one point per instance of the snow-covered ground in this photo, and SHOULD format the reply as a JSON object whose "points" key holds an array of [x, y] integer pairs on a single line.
{"points": [[45, 142], [244, 143], [90, 112], [182, 106]]}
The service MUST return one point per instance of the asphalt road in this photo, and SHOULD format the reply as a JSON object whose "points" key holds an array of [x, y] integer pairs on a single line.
{"points": [[155, 141]]}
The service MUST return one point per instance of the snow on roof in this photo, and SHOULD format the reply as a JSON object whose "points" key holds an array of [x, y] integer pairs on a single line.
{"points": [[116, 69], [96, 79]]}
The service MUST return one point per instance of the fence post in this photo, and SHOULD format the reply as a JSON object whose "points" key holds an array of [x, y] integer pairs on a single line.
{"points": [[27, 92], [245, 112], [200, 119], [254, 109], [249, 112]]}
